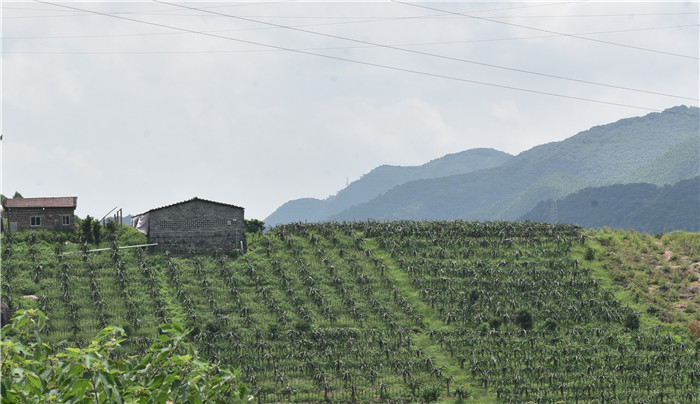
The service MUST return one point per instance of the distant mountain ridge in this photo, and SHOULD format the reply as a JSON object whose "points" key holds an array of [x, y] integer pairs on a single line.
{"points": [[659, 148], [640, 206], [382, 179], [605, 154]]}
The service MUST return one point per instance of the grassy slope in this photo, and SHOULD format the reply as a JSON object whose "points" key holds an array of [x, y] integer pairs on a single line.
{"points": [[657, 276]]}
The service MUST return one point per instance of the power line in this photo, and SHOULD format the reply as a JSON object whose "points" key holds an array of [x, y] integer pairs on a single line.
{"points": [[417, 52], [548, 31], [303, 17], [161, 12], [519, 38], [427, 74]]}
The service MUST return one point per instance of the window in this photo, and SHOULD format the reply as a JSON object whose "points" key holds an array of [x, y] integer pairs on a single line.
{"points": [[65, 220], [35, 220]]}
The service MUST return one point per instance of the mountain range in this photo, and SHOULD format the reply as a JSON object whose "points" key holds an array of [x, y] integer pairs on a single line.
{"points": [[381, 180], [660, 148], [640, 206]]}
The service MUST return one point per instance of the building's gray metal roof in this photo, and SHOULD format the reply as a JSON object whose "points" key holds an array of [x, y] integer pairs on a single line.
{"points": [[191, 200]]}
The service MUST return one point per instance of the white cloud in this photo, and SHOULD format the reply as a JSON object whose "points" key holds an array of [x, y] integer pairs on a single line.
{"points": [[255, 128], [408, 132]]}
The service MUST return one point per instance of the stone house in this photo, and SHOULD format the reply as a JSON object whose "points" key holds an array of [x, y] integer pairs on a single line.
{"points": [[41, 213], [196, 224]]}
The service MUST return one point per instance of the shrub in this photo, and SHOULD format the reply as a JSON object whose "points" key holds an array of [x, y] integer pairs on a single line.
{"points": [[128, 235], [484, 327], [169, 371], [590, 254], [302, 326], [85, 229], [25, 286], [431, 393], [694, 328], [550, 325], [462, 392], [632, 321], [524, 319]]}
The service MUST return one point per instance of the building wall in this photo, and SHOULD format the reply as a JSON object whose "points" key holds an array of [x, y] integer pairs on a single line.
{"points": [[199, 225], [51, 218]]}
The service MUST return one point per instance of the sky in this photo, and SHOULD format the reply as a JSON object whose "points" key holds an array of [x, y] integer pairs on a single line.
{"points": [[138, 105]]}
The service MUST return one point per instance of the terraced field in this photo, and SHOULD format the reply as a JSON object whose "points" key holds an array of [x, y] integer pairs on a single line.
{"points": [[390, 311]]}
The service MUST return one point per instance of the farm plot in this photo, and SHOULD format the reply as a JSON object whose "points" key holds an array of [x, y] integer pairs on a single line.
{"points": [[374, 311]]}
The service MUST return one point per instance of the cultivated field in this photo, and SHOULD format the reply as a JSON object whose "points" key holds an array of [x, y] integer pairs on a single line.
{"points": [[375, 311]]}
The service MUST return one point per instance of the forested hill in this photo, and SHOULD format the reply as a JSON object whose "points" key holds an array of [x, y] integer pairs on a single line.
{"points": [[382, 179], [602, 155], [643, 207], [679, 162]]}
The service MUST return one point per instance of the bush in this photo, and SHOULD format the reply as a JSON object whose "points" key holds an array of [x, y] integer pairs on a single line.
{"points": [[524, 319], [632, 321], [550, 325], [462, 392], [694, 328], [169, 371], [254, 226], [431, 393], [25, 286], [127, 235], [590, 254], [85, 229]]}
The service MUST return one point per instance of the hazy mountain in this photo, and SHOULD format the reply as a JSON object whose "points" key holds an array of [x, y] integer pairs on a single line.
{"points": [[679, 162], [606, 154], [382, 179], [643, 207]]}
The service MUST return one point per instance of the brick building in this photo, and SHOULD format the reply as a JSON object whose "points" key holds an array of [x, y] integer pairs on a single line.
{"points": [[196, 224], [41, 213]]}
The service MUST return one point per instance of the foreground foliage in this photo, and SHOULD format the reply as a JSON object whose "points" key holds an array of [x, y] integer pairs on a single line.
{"points": [[170, 370]]}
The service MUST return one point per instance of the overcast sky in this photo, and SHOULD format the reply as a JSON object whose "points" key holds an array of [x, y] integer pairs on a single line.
{"points": [[144, 104]]}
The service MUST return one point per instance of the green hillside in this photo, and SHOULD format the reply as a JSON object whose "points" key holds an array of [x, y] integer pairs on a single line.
{"points": [[381, 180], [606, 154], [643, 207], [678, 163], [380, 311]]}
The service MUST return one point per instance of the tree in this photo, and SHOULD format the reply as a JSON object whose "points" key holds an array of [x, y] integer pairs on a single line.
{"points": [[254, 226], [17, 195], [95, 228], [86, 229], [90, 230]]}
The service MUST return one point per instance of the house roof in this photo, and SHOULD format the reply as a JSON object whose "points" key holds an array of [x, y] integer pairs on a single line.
{"points": [[53, 202], [191, 200]]}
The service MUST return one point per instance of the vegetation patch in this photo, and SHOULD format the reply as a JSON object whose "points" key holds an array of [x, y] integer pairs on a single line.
{"points": [[390, 311]]}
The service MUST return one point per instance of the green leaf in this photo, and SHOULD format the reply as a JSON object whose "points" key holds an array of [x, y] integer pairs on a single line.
{"points": [[74, 371], [78, 388], [90, 358], [162, 398], [34, 381]]}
